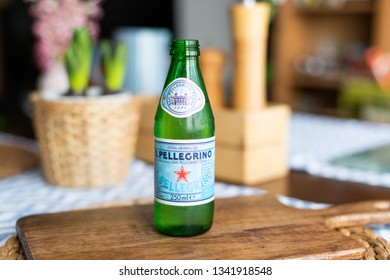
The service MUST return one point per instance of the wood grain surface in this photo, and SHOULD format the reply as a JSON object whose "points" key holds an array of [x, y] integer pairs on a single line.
{"points": [[256, 227]]}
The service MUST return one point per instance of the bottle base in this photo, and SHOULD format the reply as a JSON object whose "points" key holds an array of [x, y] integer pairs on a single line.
{"points": [[183, 221], [186, 231]]}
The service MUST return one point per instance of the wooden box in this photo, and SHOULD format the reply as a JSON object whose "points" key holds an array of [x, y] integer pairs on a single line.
{"points": [[145, 142], [251, 147]]}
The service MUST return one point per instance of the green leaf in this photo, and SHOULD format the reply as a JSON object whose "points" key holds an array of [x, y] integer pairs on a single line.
{"points": [[114, 64], [78, 58]]}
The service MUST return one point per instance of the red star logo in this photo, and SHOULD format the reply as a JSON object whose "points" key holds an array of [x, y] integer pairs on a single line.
{"points": [[182, 174]]}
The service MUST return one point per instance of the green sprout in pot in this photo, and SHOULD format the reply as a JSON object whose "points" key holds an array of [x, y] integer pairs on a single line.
{"points": [[78, 59], [113, 64]]}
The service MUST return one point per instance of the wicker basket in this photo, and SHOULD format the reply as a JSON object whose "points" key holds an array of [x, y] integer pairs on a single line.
{"points": [[86, 142]]}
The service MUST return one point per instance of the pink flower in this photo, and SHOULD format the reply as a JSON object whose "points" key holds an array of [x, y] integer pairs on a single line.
{"points": [[54, 23]]}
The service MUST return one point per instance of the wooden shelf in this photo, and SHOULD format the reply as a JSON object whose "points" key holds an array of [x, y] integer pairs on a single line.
{"points": [[299, 30], [363, 7], [312, 82]]}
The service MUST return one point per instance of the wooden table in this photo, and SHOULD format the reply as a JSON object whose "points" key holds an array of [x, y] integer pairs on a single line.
{"points": [[256, 227], [317, 189]]}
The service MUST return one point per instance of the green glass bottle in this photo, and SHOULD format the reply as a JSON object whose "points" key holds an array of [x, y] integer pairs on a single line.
{"points": [[184, 147]]}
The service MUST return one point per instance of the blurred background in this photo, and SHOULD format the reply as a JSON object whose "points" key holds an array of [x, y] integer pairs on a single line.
{"points": [[322, 54], [329, 59]]}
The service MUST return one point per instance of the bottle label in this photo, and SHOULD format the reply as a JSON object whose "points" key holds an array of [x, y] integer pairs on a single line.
{"points": [[182, 98], [184, 171]]}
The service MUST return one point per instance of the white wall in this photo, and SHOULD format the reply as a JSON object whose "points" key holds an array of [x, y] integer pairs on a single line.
{"points": [[208, 21], [205, 20]]}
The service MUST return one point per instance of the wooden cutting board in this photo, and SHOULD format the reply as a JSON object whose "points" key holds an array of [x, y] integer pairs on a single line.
{"points": [[257, 227]]}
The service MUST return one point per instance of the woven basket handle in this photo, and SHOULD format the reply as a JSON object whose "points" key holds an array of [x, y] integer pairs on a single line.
{"points": [[359, 213]]}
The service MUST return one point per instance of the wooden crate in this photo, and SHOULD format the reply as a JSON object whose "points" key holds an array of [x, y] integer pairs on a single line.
{"points": [[251, 147], [145, 142]]}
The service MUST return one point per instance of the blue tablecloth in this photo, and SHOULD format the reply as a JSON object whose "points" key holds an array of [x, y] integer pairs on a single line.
{"points": [[313, 141]]}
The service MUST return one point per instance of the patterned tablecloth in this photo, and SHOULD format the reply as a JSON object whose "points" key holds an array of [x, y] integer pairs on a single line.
{"points": [[313, 141], [316, 140]]}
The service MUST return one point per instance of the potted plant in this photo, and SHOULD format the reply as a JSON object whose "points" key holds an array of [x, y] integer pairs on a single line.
{"points": [[87, 135], [53, 26]]}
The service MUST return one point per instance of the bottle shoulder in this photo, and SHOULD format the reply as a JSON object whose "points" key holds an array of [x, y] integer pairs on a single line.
{"points": [[197, 126], [184, 110]]}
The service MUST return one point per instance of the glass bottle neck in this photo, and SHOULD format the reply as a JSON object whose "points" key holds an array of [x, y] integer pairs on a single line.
{"points": [[184, 48], [185, 66], [186, 59]]}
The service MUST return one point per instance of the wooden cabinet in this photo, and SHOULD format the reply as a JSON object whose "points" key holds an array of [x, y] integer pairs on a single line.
{"points": [[299, 31]]}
